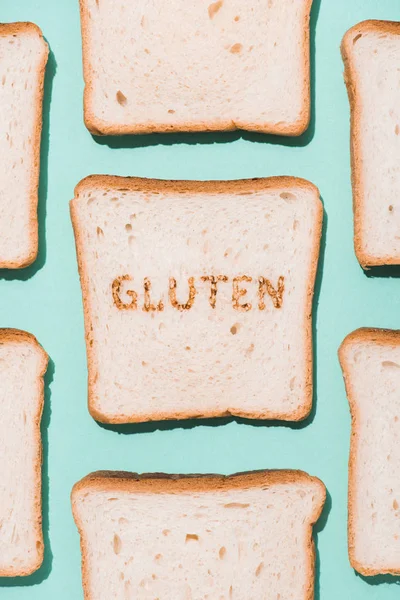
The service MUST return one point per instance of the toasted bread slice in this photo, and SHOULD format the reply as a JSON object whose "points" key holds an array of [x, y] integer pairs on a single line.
{"points": [[23, 363], [371, 54], [179, 537], [198, 296], [196, 66], [23, 58], [370, 359]]}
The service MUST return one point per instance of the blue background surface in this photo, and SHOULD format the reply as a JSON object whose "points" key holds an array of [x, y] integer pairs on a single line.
{"points": [[46, 300]]}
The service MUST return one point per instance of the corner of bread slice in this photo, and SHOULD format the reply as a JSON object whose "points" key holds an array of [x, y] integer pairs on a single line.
{"points": [[369, 261], [93, 124], [368, 570], [355, 33], [8, 335], [355, 339], [369, 335], [26, 259], [27, 29]]}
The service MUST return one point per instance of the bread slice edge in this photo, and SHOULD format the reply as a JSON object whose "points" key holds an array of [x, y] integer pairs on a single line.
{"points": [[18, 336], [381, 337], [365, 259], [31, 256]]}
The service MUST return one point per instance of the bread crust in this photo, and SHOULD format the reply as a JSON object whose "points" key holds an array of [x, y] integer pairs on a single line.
{"points": [[351, 80], [98, 127], [381, 337], [161, 483], [13, 336], [20, 29], [244, 186]]}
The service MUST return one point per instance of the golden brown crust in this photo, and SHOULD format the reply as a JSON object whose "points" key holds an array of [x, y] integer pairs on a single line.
{"points": [[381, 337], [351, 79], [159, 483], [12, 336], [20, 29], [141, 184], [181, 187], [99, 127]]}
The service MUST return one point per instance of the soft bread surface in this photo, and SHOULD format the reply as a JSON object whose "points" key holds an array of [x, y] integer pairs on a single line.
{"points": [[371, 54], [370, 359], [204, 65], [235, 353], [23, 58], [174, 538], [23, 363]]}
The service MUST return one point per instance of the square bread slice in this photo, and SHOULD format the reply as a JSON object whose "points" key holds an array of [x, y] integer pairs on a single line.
{"points": [[23, 58], [198, 296], [23, 363], [370, 359], [371, 54], [196, 66], [248, 536]]}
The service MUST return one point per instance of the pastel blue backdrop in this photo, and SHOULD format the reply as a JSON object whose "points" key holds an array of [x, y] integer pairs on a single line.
{"points": [[46, 300]]}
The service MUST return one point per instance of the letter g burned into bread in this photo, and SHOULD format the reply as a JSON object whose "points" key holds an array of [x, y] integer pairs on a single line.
{"points": [[198, 296]]}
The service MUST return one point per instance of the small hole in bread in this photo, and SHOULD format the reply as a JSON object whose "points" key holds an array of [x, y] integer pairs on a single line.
{"points": [[397, 129], [259, 569], [235, 328], [191, 537], [128, 227], [355, 40], [287, 196], [236, 18], [222, 552], [121, 98], [390, 364], [117, 544], [236, 48], [171, 112], [214, 8]]}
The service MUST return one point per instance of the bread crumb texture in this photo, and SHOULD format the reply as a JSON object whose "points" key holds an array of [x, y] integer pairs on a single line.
{"points": [[196, 65]]}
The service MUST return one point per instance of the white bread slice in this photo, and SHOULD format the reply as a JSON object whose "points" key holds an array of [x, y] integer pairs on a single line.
{"points": [[211, 353], [371, 54], [370, 359], [196, 66], [23, 363], [23, 58], [248, 536]]}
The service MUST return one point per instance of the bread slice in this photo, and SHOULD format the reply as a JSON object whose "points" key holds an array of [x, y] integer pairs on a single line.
{"points": [[370, 360], [196, 66], [197, 296], [23, 58], [23, 363], [179, 537], [371, 54]]}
